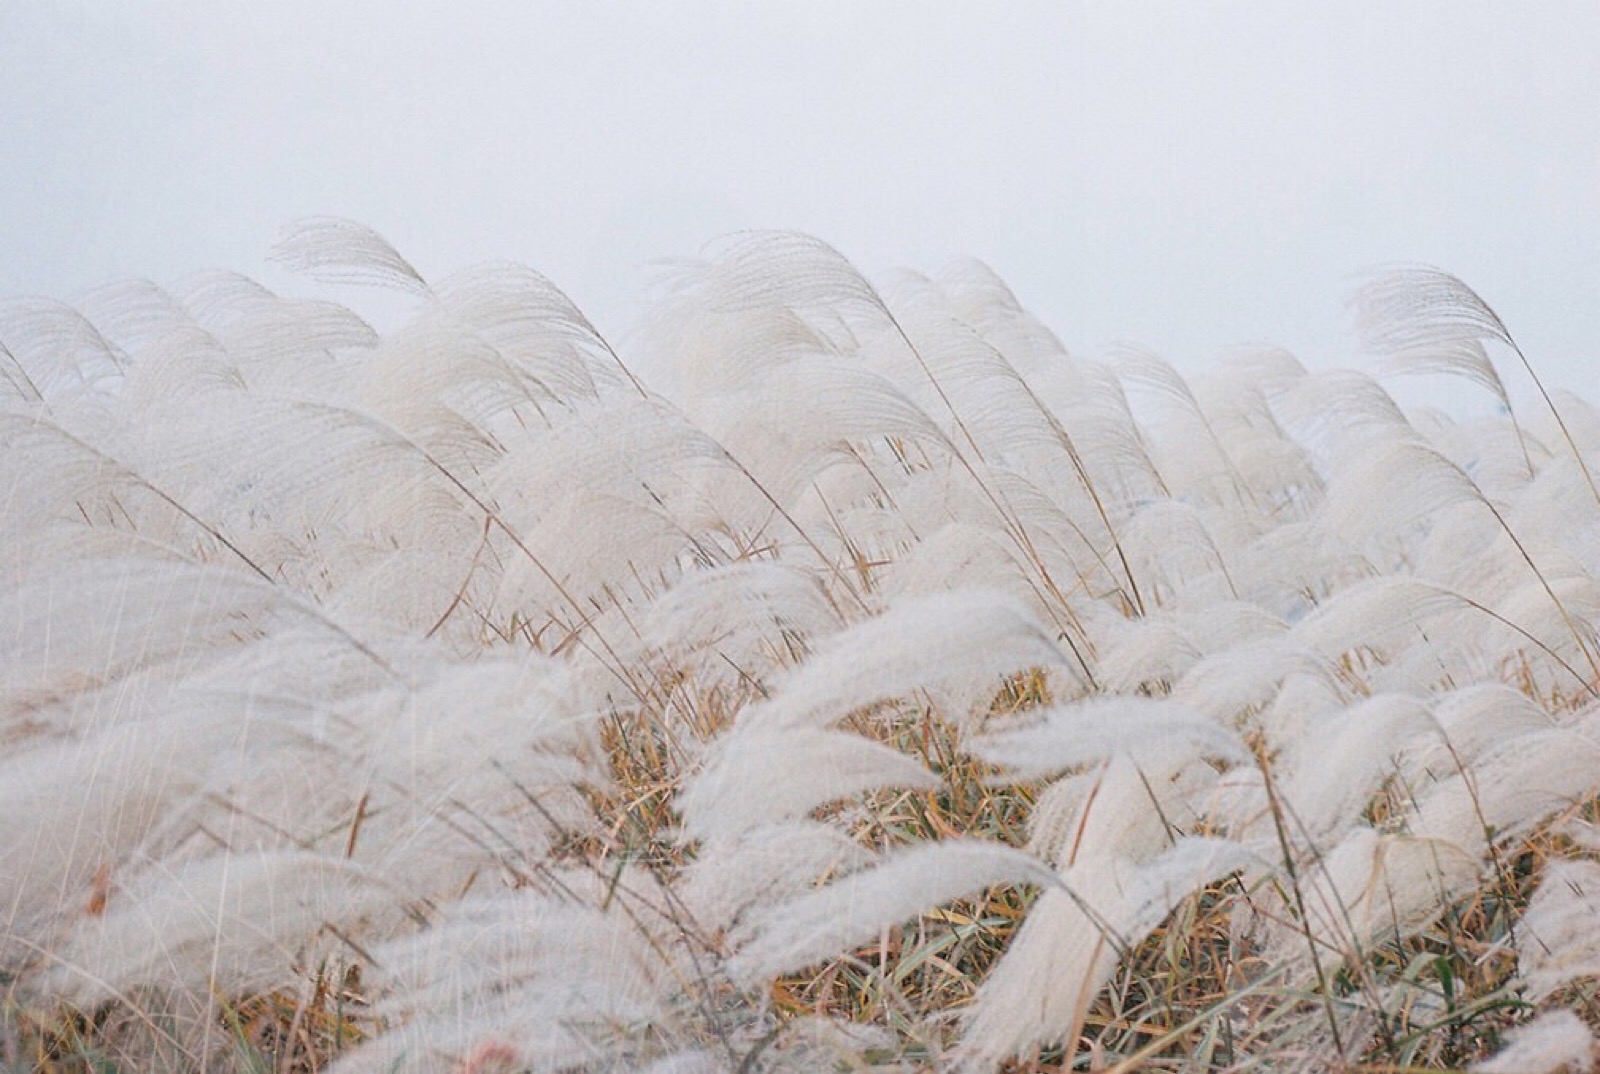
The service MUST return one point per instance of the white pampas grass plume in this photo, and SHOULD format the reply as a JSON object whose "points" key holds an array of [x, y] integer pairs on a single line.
{"points": [[1249, 675], [344, 251], [743, 619], [965, 637], [231, 925], [1556, 1042], [1330, 776], [1068, 736], [1119, 877], [731, 877], [1382, 614], [1471, 721], [548, 982], [1371, 887], [1561, 929], [759, 775], [1426, 320], [1423, 320], [1385, 487], [1073, 938], [853, 910], [1512, 787]]}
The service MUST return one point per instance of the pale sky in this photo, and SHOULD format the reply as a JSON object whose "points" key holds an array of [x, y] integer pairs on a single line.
{"points": [[1184, 175]]}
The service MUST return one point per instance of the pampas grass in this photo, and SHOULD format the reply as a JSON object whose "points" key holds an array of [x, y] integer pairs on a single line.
{"points": [[900, 691]]}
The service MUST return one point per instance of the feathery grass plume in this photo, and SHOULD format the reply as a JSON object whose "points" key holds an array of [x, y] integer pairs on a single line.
{"points": [[1202, 469], [1422, 320], [547, 495], [780, 761], [1162, 646], [1484, 448], [1380, 615], [1279, 472], [1562, 928], [1432, 484], [133, 314], [968, 641], [852, 910], [1426, 320], [961, 555], [761, 269], [343, 251], [553, 980], [1064, 737], [1579, 420], [1556, 1041], [56, 352], [234, 924], [534, 327], [1330, 776], [273, 339], [1410, 480], [1149, 654], [1521, 782], [1196, 572], [1471, 721], [743, 620], [1121, 864], [1544, 512], [20, 388], [1371, 888], [1117, 882], [731, 878], [1332, 410], [1250, 676], [804, 417], [759, 775]]}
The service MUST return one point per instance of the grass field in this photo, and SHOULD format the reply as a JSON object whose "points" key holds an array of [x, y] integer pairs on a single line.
{"points": [[887, 688]]}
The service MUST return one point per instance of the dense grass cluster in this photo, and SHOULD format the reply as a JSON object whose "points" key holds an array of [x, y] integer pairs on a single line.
{"points": [[887, 688]]}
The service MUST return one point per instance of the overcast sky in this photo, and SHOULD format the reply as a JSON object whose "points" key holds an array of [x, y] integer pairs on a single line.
{"points": [[1184, 175]]}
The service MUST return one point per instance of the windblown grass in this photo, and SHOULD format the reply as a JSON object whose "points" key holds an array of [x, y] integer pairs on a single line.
{"points": [[899, 691]]}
